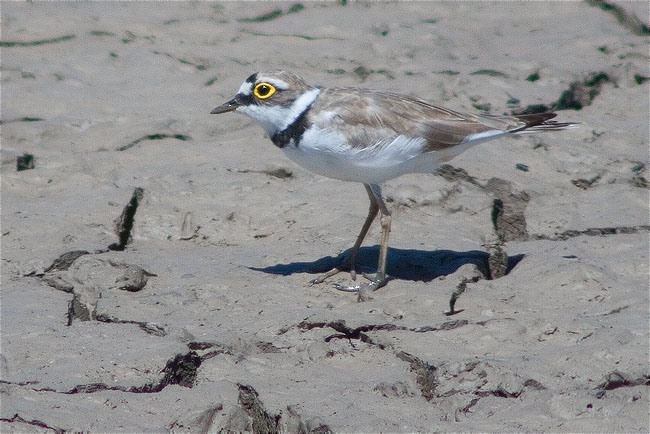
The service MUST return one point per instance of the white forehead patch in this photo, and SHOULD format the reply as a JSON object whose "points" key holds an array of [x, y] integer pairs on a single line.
{"points": [[246, 88]]}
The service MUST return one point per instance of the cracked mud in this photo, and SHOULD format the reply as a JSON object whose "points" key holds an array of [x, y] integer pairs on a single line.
{"points": [[519, 292]]}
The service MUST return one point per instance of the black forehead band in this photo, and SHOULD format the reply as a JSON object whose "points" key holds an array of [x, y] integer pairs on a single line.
{"points": [[252, 78]]}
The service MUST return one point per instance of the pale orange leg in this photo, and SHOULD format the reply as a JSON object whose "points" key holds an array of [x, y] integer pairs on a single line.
{"points": [[377, 205], [381, 278], [349, 262]]}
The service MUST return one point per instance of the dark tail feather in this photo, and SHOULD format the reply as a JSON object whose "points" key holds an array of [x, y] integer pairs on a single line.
{"points": [[535, 118], [540, 122]]}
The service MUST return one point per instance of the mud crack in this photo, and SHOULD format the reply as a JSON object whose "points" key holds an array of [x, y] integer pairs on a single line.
{"points": [[88, 277], [627, 19], [425, 374], [593, 232], [16, 418], [181, 370], [617, 379], [124, 223], [359, 333], [182, 137], [148, 327], [263, 422]]}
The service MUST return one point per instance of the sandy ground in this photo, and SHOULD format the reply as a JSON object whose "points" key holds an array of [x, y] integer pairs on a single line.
{"points": [[206, 320]]}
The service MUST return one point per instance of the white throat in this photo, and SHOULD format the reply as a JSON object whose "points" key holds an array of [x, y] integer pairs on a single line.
{"points": [[277, 118]]}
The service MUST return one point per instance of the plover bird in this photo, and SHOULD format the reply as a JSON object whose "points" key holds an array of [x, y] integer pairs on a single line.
{"points": [[367, 136]]}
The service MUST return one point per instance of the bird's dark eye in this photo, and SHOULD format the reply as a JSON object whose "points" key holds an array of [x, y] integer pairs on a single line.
{"points": [[264, 90]]}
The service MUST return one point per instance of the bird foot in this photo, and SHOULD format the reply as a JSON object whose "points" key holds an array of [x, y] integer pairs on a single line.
{"points": [[323, 277], [373, 284], [345, 265]]}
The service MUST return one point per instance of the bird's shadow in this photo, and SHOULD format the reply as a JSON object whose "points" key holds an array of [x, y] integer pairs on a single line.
{"points": [[403, 264]]}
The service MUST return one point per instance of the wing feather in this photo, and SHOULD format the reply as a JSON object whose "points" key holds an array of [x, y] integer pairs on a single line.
{"points": [[369, 116]]}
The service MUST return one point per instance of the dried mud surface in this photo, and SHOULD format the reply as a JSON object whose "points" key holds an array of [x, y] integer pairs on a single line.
{"points": [[155, 258]]}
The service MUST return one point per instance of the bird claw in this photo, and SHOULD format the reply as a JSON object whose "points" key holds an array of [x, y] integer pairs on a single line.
{"points": [[316, 281], [323, 277], [353, 288], [344, 266], [373, 284]]}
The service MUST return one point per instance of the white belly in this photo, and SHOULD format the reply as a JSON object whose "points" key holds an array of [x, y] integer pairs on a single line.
{"points": [[327, 155]]}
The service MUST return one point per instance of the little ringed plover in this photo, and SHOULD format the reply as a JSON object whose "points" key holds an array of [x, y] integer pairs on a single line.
{"points": [[367, 136]]}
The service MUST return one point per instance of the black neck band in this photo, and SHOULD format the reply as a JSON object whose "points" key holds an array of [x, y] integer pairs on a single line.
{"points": [[293, 131]]}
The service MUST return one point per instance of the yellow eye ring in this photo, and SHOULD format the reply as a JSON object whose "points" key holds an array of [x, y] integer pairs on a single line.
{"points": [[264, 90]]}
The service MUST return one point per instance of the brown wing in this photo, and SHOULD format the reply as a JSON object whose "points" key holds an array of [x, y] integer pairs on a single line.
{"points": [[370, 116]]}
